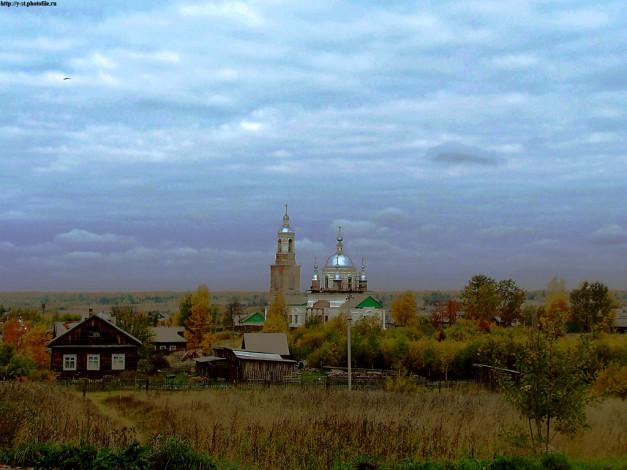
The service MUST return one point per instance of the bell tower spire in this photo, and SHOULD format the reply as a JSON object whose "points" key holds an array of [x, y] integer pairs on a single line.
{"points": [[284, 273]]}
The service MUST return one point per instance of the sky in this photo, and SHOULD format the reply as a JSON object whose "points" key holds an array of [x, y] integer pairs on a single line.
{"points": [[447, 139]]}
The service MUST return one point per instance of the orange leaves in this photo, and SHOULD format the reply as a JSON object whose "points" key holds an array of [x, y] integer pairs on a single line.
{"points": [[27, 339]]}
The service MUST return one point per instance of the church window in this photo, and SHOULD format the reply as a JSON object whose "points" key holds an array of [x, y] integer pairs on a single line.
{"points": [[276, 281], [289, 246], [350, 282], [278, 245], [326, 281]]}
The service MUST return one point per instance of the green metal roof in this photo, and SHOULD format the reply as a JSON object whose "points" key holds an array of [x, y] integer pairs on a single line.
{"points": [[369, 302], [256, 318]]}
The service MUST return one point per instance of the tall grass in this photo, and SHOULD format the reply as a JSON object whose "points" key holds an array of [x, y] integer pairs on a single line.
{"points": [[44, 412], [294, 428]]}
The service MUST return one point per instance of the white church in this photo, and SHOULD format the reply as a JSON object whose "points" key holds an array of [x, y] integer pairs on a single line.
{"points": [[340, 288]]}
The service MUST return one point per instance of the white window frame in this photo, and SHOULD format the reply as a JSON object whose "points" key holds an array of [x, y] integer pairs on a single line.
{"points": [[163, 347], [172, 347], [93, 361], [68, 360], [118, 361]]}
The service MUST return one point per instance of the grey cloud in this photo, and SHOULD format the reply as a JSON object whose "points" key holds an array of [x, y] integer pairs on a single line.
{"points": [[459, 154], [84, 237], [610, 234]]}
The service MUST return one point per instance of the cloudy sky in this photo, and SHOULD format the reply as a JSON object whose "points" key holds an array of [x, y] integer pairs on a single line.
{"points": [[447, 138]]}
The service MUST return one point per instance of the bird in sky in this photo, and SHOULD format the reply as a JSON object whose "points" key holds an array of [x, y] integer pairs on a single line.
{"points": [[67, 78]]}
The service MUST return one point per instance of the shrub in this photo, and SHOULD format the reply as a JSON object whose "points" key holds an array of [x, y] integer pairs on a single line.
{"points": [[175, 453]]}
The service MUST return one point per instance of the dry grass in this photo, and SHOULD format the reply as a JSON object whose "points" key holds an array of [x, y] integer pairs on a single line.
{"points": [[47, 413], [293, 428]]}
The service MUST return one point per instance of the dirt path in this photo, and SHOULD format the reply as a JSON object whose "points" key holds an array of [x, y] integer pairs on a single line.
{"points": [[98, 399]]}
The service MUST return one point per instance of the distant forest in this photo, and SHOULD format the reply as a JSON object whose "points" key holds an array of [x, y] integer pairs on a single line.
{"points": [[168, 300]]}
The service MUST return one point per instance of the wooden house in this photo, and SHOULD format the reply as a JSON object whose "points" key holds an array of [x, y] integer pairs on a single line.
{"points": [[168, 339], [92, 348], [262, 357]]}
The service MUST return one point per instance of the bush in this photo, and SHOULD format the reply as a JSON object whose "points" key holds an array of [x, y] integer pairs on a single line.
{"points": [[172, 453], [175, 453]]}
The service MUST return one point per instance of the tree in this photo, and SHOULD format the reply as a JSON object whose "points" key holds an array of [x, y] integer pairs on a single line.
{"points": [[34, 344], [185, 309], [511, 298], [551, 392], [277, 320], [555, 317], [403, 309], [233, 309], [592, 305], [555, 290], [444, 312], [199, 326], [480, 298], [136, 323]]}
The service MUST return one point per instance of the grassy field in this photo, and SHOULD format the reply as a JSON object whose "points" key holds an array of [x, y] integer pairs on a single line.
{"points": [[293, 427]]}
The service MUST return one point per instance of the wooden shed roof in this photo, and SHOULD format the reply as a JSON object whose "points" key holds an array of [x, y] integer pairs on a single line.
{"points": [[273, 343]]}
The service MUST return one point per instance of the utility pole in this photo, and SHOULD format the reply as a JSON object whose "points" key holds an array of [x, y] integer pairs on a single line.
{"points": [[350, 372]]}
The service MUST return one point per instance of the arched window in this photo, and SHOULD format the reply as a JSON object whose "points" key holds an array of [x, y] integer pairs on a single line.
{"points": [[278, 245], [289, 246], [326, 281]]}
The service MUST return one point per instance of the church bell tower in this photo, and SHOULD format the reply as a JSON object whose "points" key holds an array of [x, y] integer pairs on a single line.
{"points": [[284, 274]]}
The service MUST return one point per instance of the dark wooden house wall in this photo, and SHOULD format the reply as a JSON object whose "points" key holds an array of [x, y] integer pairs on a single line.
{"points": [[93, 336]]}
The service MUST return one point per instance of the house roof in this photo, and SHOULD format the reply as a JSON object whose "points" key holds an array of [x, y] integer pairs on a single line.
{"points": [[169, 334], [369, 302], [259, 356], [210, 359], [99, 318], [296, 300], [61, 327], [274, 343]]}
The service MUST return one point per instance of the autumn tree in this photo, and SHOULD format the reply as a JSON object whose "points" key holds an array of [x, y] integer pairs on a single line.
{"points": [[277, 319], [233, 309], [551, 390], [135, 323], [444, 312], [185, 309], [480, 298], [200, 324], [555, 317], [404, 310], [34, 344], [485, 299], [511, 298], [555, 290], [592, 305], [14, 330]]}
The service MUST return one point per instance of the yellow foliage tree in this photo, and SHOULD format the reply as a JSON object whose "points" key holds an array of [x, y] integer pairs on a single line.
{"points": [[555, 290], [277, 321], [199, 326], [404, 310]]}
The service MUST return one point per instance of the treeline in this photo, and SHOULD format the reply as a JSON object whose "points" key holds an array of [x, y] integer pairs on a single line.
{"points": [[422, 349]]}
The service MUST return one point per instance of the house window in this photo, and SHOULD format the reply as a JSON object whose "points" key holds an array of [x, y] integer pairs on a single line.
{"points": [[172, 348], [162, 346], [118, 362], [93, 361], [69, 362]]}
